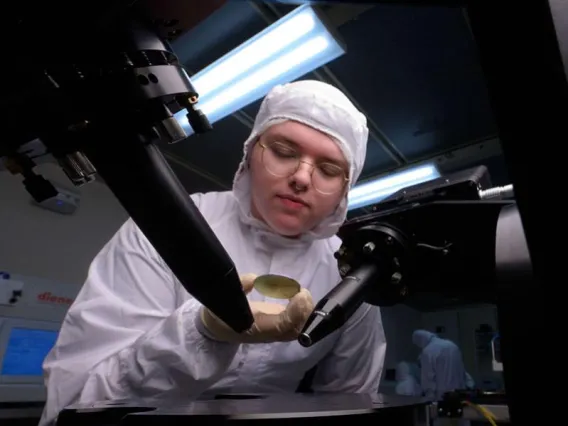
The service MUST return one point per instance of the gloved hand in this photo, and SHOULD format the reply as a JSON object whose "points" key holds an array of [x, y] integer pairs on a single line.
{"points": [[272, 322]]}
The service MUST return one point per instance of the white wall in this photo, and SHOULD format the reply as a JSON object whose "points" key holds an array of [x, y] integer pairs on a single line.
{"points": [[40, 243], [49, 253]]}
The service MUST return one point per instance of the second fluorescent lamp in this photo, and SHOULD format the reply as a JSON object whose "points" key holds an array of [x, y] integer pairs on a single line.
{"points": [[373, 191], [293, 46]]}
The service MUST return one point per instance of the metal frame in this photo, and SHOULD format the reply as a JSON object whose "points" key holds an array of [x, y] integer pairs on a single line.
{"points": [[527, 80]]}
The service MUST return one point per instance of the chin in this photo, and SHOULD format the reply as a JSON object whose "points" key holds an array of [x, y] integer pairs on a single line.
{"points": [[287, 229]]}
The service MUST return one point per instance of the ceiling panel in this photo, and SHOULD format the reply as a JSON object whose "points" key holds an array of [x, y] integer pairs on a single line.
{"points": [[217, 152], [377, 160], [252, 109], [415, 71], [224, 30], [283, 7]]}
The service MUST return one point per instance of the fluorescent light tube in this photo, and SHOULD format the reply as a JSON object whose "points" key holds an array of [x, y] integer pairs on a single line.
{"points": [[373, 191], [293, 46]]}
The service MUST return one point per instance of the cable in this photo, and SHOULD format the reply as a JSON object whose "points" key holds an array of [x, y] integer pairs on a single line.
{"points": [[488, 415]]}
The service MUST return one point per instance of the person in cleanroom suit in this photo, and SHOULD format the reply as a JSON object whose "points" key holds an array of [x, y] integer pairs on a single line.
{"points": [[134, 332], [441, 364]]}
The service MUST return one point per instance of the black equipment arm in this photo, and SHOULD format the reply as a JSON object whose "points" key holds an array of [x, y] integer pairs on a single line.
{"points": [[105, 86], [438, 237]]}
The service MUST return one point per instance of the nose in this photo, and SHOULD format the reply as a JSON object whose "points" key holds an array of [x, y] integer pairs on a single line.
{"points": [[303, 175]]}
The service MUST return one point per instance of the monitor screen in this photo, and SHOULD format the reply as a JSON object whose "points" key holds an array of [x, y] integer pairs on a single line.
{"points": [[25, 351]]}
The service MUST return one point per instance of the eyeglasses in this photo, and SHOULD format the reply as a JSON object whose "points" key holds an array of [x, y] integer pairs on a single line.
{"points": [[282, 160]]}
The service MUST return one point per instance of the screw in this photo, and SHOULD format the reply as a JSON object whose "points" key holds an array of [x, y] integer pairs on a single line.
{"points": [[339, 253]]}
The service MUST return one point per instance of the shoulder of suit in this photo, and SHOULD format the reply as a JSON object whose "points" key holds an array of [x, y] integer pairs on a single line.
{"points": [[216, 204]]}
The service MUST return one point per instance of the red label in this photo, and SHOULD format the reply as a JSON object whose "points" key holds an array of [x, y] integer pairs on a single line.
{"points": [[52, 298]]}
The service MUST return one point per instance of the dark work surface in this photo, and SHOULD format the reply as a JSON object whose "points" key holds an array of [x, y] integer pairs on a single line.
{"points": [[240, 407]]}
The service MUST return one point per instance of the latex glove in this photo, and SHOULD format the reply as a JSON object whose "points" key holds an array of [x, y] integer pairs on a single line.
{"points": [[272, 322]]}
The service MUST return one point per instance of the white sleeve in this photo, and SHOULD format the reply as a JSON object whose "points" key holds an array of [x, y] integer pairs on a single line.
{"points": [[125, 337], [355, 364]]}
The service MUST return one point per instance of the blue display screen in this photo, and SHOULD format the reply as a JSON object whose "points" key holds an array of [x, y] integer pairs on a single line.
{"points": [[26, 351]]}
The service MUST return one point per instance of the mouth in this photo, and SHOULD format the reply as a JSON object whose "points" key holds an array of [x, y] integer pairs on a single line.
{"points": [[292, 201]]}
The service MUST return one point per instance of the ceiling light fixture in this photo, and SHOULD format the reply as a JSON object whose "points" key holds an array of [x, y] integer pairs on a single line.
{"points": [[375, 190], [293, 46]]}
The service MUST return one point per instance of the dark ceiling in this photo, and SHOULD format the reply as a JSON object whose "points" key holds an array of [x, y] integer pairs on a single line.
{"points": [[412, 70]]}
